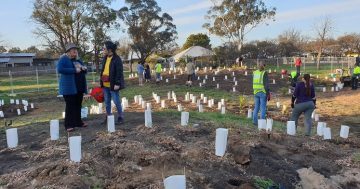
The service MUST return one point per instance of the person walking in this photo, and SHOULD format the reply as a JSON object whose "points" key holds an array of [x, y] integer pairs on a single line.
{"points": [[112, 79], [190, 70], [72, 85], [261, 92], [158, 69], [298, 64], [356, 75], [303, 101], [140, 70], [147, 72]]}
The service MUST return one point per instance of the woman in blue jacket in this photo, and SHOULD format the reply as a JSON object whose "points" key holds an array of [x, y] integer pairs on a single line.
{"points": [[72, 85]]}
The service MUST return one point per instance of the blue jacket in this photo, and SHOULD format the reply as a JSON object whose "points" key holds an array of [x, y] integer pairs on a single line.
{"points": [[67, 71], [140, 69]]}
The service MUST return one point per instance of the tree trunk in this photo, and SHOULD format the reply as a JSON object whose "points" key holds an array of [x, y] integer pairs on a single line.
{"points": [[318, 58]]}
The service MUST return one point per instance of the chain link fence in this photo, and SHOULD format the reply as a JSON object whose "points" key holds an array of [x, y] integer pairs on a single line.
{"points": [[37, 79]]}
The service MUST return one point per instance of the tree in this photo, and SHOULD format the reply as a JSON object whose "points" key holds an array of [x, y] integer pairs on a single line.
{"points": [[2, 49], [149, 31], [323, 30], [100, 21], [266, 48], [32, 49], [349, 43], [233, 19], [15, 50], [197, 40], [64, 21]]}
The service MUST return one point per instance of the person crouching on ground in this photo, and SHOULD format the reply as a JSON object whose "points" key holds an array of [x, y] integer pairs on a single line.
{"points": [[304, 101], [158, 69], [261, 92], [190, 69], [140, 70], [112, 79], [72, 85]]}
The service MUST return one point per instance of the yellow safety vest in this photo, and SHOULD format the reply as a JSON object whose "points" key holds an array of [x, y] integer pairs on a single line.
{"points": [[357, 70], [158, 68], [258, 82], [293, 74]]}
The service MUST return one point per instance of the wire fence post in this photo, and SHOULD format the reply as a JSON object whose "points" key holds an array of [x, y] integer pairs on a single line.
{"points": [[37, 79], [11, 84]]}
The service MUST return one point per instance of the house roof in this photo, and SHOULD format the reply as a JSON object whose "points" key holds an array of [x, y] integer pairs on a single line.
{"points": [[11, 55]]}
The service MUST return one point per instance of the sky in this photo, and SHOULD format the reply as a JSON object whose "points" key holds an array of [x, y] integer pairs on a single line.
{"points": [[17, 28]]}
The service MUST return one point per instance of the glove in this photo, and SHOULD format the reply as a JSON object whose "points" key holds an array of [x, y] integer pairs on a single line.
{"points": [[268, 97], [116, 87], [292, 105]]}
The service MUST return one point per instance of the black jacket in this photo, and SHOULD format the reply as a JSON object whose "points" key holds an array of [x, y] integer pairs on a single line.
{"points": [[116, 72]]}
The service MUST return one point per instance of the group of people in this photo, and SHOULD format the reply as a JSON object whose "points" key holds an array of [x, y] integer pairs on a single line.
{"points": [[72, 83], [144, 72], [303, 99]]}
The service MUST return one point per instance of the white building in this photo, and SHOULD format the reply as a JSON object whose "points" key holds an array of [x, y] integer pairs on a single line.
{"points": [[16, 59]]}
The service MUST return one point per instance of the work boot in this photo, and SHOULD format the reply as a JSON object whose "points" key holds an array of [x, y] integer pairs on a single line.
{"points": [[120, 121]]}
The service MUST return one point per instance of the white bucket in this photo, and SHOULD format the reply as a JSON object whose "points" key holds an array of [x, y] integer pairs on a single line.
{"points": [[18, 112], [175, 182], [226, 77], [12, 138], [167, 80], [54, 129], [2, 114], [221, 141], [111, 123], [217, 86], [344, 131], [320, 128], [184, 118], [236, 83], [12, 101], [200, 84], [246, 73], [25, 108], [324, 89], [262, 124], [213, 78], [327, 133], [278, 104], [75, 148], [201, 96], [234, 89], [148, 118], [249, 113], [274, 82], [17, 102], [269, 124], [291, 128]]}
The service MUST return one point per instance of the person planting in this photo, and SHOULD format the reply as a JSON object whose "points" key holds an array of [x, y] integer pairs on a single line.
{"points": [[355, 75]]}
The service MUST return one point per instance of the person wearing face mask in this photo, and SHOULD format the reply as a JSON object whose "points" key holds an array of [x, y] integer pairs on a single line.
{"points": [[112, 79], [72, 85]]}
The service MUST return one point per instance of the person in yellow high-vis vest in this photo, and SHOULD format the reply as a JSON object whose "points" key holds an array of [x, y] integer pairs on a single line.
{"points": [[356, 75], [158, 69], [261, 92]]}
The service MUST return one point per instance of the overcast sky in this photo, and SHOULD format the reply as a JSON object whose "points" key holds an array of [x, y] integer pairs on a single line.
{"points": [[16, 26]]}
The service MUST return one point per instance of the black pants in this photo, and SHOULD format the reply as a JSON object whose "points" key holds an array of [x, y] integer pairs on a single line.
{"points": [[354, 82], [73, 110]]}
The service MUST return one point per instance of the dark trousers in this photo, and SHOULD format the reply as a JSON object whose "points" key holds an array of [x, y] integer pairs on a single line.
{"points": [[73, 110], [354, 82]]}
